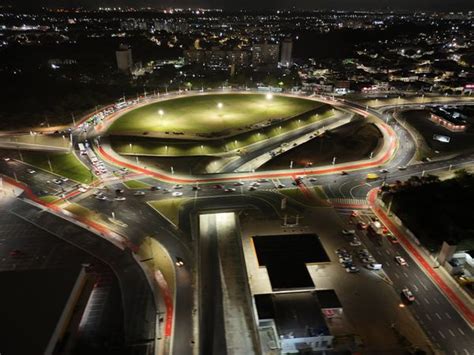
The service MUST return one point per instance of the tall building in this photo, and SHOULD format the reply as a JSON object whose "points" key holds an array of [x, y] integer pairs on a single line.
{"points": [[124, 58], [286, 59], [265, 54]]}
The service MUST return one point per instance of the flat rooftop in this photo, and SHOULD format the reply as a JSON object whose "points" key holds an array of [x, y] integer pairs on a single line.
{"points": [[449, 115], [31, 304], [296, 314], [286, 256]]}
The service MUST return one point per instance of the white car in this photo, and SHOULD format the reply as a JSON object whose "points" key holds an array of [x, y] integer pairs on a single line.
{"points": [[355, 243], [230, 189], [408, 295], [120, 198], [402, 167], [57, 181], [238, 183], [177, 194], [64, 179], [30, 171], [313, 179], [101, 197], [139, 193], [348, 231], [401, 261], [280, 186], [81, 189], [178, 186]]}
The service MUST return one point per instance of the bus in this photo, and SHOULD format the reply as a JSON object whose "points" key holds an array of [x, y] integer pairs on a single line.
{"points": [[82, 149]]}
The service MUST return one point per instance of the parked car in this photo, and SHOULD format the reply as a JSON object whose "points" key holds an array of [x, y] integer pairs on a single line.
{"points": [[352, 269], [348, 231]]}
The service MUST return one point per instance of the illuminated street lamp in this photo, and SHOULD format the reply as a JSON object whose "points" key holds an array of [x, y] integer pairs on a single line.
{"points": [[220, 105], [269, 96], [161, 112]]}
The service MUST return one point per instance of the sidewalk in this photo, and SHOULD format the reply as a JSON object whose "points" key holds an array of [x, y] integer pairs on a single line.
{"points": [[445, 283]]}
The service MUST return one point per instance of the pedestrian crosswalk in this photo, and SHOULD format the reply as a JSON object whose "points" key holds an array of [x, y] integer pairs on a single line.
{"points": [[349, 202]]}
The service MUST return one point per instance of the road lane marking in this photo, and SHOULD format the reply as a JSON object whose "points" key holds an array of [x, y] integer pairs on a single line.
{"points": [[460, 331], [378, 252], [437, 315], [387, 263], [396, 275], [424, 286], [467, 352], [447, 315], [415, 288], [404, 273], [426, 300], [451, 332], [428, 316], [388, 251], [442, 335], [436, 300]]}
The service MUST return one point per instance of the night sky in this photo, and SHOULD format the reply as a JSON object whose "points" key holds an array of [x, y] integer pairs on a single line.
{"points": [[265, 4]]}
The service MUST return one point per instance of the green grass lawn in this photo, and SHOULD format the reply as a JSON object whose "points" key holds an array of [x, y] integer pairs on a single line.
{"points": [[136, 184], [169, 208], [200, 114], [158, 147], [49, 198], [64, 164]]}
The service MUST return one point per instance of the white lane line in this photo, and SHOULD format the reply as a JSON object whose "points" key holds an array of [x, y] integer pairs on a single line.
{"points": [[447, 315], [460, 331], [428, 316], [442, 335], [424, 286], [404, 273], [437, 315], [415, 288], [426, 300], [378, 252], [436, 300], [467, 352], [387, 263], [396, 275], [388, 252], [451, 332]]}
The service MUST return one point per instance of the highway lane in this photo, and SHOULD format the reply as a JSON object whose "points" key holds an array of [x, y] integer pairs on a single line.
{"points": [[440, 320]]}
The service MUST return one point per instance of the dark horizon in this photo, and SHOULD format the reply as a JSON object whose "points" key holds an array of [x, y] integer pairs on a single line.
{"points": [[348, 5]]}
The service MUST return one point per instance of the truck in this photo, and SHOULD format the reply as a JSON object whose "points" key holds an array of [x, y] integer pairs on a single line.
{"points": [[82, 149]]}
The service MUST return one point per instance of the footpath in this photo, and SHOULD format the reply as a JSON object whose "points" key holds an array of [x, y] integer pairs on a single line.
{"points": [[453, 292]]}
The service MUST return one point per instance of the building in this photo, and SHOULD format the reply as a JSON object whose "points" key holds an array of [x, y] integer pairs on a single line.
{"points": [[265, 54], [124, 58], [217, 58], [286, 59], [41, 309], [450, 120]]}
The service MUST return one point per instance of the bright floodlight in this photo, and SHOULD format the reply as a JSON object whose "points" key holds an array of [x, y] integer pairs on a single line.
{"points": [[269, 96], [220, 105], [161, 112]]}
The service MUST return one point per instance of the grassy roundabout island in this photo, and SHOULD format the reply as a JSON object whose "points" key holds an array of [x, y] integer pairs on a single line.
{"points": [[210, 116]]}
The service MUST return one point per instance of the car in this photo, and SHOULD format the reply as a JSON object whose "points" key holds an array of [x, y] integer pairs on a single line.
{"points": [[392, 238], [373, 266], [346, 264], [362, 225], [408, 294], [341, 251], [177, 186], [120, 198], [401, 261], [352, 269], [402, 167], [229, 189], [263, 180], [344, 172], [255, 183], [281, 186], [345, 259], [155, 188], [179, 262], [313, 179], [101, 197], [139, 193], [252, 188], [196, 188], [426, 159], [64, 179], [177, 194], [119, 191], [165, 191], [238, 183], [81, 189], [383, 171], [354, 213], [367, 260], [218, 186], [30, 171], [57, 181], [355, 243], [348, 231]]}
